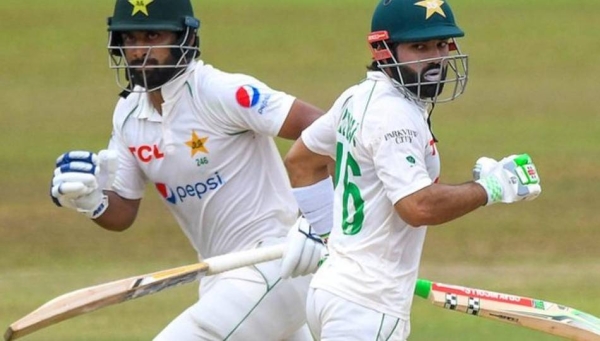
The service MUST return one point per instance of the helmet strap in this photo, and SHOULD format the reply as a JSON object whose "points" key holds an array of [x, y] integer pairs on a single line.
{"points": [[429, 122]]}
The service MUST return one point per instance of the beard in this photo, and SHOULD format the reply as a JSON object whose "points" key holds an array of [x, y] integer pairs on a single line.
{"points": [[433, 73], [152, 77]]}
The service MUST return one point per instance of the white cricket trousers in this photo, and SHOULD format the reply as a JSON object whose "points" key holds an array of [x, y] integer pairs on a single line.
{"points": [[332, 318], [246, 304]]}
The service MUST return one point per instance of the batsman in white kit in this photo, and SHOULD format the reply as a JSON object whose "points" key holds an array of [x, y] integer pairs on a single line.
{"points": [[204, 139], [387, 189]]}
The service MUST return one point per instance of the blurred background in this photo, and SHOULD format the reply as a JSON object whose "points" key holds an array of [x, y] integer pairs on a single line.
{"points": [[532, 88]]}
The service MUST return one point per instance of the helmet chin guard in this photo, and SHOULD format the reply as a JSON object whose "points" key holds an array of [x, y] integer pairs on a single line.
{"points": [[434, 86], [148, 75]]}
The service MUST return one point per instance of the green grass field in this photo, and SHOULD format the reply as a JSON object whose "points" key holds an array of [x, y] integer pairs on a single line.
{"points": [[532, 88]]}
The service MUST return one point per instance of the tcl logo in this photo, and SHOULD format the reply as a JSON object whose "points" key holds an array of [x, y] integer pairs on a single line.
{"points": [[147, 153]]}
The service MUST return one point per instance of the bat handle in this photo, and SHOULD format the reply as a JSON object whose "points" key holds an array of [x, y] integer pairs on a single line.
{"points": [[423, 288], [241, 259]]}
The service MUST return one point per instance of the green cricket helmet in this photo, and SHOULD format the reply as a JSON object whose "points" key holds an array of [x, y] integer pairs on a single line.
{"points": [[152, 15], [408, 21]]}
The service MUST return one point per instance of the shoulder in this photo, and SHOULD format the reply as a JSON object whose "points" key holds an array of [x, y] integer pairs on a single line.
{"points": [[344, 100], [392, 116], [239, 93], [215, 83], [384, 102]]}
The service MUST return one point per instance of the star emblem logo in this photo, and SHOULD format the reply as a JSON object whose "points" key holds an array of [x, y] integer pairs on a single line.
{"points": [[433, 6], [198, 144], [140, 6]]}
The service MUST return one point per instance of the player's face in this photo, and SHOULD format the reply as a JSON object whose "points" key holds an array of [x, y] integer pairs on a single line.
{"points": [[148, 55], [425, 65]]}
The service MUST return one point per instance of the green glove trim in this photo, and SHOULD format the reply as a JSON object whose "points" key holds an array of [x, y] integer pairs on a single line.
{"points": [[523, 159], [423, 288], [493, 188]]}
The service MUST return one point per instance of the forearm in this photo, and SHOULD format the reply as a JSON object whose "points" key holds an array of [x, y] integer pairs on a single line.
{"points": [[440, 203], [512, 179], [120, 213], [301, 177]]}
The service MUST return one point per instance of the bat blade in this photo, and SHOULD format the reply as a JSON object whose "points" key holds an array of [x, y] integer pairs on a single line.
{"points": [[92, 298], [532, 313]]}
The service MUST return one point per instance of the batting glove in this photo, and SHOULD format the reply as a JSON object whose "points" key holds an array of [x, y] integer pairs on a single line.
{"points": [[304, 250], [512, 179], [483, 167], [79, 178]]}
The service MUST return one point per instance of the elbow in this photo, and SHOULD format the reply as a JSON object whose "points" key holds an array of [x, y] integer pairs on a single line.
{"points": [[292, 164], [116, 220], [120, 214], [297, 172], [114, 226], [289, 162], [417, 219]]}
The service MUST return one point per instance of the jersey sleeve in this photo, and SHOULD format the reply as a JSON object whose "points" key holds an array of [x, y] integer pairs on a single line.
{"points": [[129, 182], [398, 152], [320, 136], [241, 103]]}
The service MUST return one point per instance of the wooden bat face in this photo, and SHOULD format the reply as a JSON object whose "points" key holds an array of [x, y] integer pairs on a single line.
{"points": [[88, 299], [92, 298], [532, 313]]}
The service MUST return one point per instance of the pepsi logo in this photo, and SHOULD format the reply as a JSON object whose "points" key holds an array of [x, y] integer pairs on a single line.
{"points": [[166, 193], [247, 96]]}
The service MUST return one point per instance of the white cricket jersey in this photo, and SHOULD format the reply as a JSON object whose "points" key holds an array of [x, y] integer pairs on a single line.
{"points": [[384, 152], [211, 157]]}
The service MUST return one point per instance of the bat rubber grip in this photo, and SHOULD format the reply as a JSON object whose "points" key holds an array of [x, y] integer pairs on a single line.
{"points": [[241, 259], [423, 288]]}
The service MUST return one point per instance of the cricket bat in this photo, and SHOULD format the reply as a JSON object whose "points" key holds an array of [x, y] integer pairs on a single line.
{"points": [[92, 298], [532, 313]]}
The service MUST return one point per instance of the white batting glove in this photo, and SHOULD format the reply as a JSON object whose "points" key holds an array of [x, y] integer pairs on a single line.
{"points": [[512, 179], [79, 178], [483, 167], [303, 253]]}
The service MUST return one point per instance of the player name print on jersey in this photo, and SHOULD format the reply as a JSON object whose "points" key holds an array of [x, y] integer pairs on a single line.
{"points": [[348, 127]]}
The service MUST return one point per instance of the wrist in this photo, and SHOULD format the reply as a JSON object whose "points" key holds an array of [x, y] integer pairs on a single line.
{"points": [[493, 189], [316, 205], [97, 209]]}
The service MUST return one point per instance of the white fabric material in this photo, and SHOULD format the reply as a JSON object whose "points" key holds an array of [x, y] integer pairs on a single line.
{"points": [[303, 252], [316, 204], [387, 152], [210, 153], [213, 161], [250, 303], [323, 310]]}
